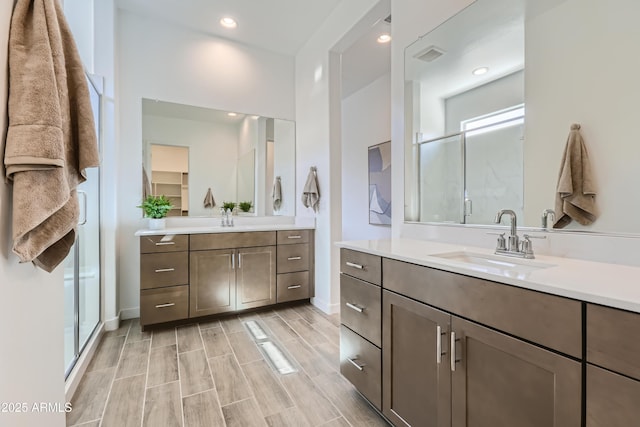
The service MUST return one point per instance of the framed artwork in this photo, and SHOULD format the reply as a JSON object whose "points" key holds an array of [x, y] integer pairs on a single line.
{"points": [[380, 184]]}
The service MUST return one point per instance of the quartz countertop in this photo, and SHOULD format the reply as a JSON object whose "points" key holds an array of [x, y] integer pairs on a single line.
{"points": [[600, 283], [199, 229]]}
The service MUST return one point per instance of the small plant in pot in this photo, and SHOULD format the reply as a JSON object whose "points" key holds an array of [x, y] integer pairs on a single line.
{"points": [[245, 206], [156, 208], [229, 205]]}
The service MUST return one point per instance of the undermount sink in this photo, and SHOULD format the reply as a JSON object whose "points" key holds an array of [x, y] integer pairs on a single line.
{"points": [[495, 264]]}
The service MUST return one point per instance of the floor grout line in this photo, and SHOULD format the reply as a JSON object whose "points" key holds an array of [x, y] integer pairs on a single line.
{"points": [[113, 379], [146, 381], [213, 380], [175, 331]]}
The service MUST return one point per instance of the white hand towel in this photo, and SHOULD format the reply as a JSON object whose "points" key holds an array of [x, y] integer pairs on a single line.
{"points": [[276, 195], [311, 191], [575, 195], [209, 201]]}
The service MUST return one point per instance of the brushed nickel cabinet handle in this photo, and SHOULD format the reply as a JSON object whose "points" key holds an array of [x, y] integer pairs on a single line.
{"points": [[438, 344], [170, 304], [294, 258], [165, 243], [453, 351], [354, 363], [233, 261], [355, 307], [294, 286], [239, 260], [294, 237], [165, 270], [358, 266]]}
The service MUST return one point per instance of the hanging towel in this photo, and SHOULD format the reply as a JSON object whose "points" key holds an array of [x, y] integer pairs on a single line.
{"points": [[51, 138], [146, 185], [209, 201], [311, 192], [276, 195], [575, 193]]}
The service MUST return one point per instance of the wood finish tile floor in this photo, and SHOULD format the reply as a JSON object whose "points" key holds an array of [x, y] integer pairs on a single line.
{"points": [[212, 374]]}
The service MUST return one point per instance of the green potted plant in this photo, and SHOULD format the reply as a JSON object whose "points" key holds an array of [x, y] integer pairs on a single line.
{"points": [[245, 206], [156, 208], [229, 205]]}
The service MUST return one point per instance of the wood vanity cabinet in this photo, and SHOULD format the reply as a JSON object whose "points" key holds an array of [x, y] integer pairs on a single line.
{"points": [[240, 276], [295, 265], [613, 367]]}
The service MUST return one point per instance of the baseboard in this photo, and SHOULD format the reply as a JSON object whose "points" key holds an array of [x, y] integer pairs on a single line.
{"points": [[73, 380], [325, 306], [130, 313], [112, 324]]}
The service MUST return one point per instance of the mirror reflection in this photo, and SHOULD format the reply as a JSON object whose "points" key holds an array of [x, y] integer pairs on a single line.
{"points": [[188, 150]]}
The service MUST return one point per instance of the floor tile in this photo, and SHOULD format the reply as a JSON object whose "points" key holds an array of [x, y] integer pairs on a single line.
{"points": [[122, 330], [307, 332], [124, 407], [108, 353], [330, 353], [206, 324], [163, 406], [312, 362], [338, 422], [231, 324], [135, 332], [268, 391], [189, 338], [315, 408], [243, 414], [195, 376], [203, 410], [163, 337], [280, 329], [229, 379], [163, 365], [90, 396], [244, 348], [215, 342], [288, 313], [134, 359], [290, 417]]}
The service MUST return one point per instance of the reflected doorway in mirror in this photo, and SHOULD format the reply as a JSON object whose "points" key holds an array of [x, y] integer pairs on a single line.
{"points": [[380, 184]]}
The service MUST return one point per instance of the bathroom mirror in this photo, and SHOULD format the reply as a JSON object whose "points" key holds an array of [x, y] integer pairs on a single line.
{"points": [[238, 156], [454, 176]]}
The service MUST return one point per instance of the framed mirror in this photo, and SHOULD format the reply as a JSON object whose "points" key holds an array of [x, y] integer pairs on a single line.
{"points": [[238, 156], [578, 70]]}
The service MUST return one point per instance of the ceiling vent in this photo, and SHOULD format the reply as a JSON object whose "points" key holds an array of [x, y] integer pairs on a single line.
{"points": [[388, 19], [429, 54]]}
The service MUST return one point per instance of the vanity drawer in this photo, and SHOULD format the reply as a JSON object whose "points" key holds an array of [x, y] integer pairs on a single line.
{"points": [[164, 305], [549, 320], [361, 363], [361, 265], [291, 237], [613, 339], [164, 269], [293, 258], [292, 286], [361, 308], [203, 242], [164, 243]]}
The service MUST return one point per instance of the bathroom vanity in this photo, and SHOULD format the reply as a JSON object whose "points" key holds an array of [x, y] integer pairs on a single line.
{"points": [[190, 273], [432, 337]]}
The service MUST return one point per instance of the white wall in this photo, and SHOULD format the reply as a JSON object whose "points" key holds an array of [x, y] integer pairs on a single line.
{"points": [[317, 75], [366, 121], [31, 306], [284, 166], [159, 61]]}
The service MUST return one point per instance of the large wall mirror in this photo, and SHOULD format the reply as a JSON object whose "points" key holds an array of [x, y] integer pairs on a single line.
{"points": [[470, 150], [240, 157]]}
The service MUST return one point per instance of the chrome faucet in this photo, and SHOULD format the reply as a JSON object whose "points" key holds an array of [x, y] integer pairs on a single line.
{"points": [[226, 220], [545, 215], [513, 240]]}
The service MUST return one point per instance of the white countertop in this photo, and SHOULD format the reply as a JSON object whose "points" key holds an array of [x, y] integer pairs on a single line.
{"points": [[219, 229], [607, 284]]}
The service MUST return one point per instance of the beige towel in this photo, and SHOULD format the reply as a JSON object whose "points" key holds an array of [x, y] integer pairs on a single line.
{"points": [[311, 192], [575, 196], [51, 137], [209, 201], [276, 194]]}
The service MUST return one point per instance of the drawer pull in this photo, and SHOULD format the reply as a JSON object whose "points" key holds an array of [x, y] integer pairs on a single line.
{"points": [[355, 307], [169, 304], [358, 266], [294, 258], [294, 237], [354, 363], [165, 270], [453, 351], [165, 243], [294, 287], [439, 352]]}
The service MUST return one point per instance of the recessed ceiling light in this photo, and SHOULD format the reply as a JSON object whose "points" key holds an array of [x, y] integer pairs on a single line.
{"points": [[231, 114], [384, 38], [480, 71], [228, 22]]}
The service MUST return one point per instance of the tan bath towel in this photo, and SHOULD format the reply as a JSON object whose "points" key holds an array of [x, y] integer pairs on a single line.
{"points": [[209, 201], [276, 194], [575, 193], [311, 191], [51, 137]]}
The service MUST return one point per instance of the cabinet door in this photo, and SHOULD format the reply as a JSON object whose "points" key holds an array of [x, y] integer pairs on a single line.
{"points": [[212, 282], [416, 376], [612, 399], [256, 277], [498, 380]]}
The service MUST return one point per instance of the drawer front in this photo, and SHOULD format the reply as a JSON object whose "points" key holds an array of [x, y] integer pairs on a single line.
{"points": [[164, 305], [291, 237], [292, 286], [361, 308], [548, 320], [164, 269], [364, 266], [360, 363], [164, 243], [293, 258], [202, 242], [613, 339], [612, 399]]}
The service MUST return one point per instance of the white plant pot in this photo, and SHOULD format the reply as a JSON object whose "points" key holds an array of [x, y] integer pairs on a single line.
{"points": [[156, 223]]}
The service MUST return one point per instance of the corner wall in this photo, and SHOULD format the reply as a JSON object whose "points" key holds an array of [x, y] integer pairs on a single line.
{"points": [[31, 306]]}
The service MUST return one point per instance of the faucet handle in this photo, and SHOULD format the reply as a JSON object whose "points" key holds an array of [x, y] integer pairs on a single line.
{"points": [[526, 245], [502, 242], [530, 236]]}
